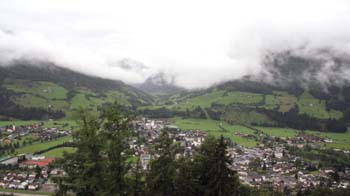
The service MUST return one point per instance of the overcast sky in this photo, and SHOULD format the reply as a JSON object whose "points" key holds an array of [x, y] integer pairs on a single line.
{"points": [[200, 42]]}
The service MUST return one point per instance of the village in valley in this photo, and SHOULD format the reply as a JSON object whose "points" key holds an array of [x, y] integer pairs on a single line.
{"points": [[269, 164], [23, 163], [272, 163]]}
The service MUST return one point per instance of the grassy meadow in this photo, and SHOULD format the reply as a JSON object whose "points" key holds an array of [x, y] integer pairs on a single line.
{"points": [[311, 106], [58, 152], [42, 145]]}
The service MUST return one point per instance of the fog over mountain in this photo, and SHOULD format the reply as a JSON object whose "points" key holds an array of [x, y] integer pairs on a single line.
{"points": [[323, 68], [160, 83], [199, 42]]}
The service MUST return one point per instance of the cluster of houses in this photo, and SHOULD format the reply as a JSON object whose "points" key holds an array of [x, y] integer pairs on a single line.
{"points": [[150, 130], [276, 167], [303, 139], [259, 166], [12, 133], [20, 180], [31, 173], [264, 165], [27, 171]]}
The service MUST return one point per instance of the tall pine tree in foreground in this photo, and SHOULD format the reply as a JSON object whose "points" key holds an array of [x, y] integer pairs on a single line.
{"points": [[222, 180], [85, 167], [213, 174], [98, 167], [116, 132], [160, 180]]}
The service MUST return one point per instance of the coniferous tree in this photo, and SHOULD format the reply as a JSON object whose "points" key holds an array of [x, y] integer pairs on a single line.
{"points": [[137, 188], [85, 166], [214, 175], [116, 132], [138, 185], [223, 180], [160, 180], [184, 180], [201, 164]]}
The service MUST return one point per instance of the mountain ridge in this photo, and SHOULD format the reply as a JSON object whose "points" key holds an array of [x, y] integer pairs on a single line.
{"points": [[55, 91]]}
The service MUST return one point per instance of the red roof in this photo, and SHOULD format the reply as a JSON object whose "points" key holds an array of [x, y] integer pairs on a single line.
{"points": [[40, 163]]}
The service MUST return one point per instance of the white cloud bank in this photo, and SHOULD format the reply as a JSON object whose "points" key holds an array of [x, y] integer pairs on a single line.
{"points": [[201, 42]]}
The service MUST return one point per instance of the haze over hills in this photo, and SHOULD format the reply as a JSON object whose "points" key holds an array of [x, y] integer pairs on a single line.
{"points": [[303, 92], [293, 90]]}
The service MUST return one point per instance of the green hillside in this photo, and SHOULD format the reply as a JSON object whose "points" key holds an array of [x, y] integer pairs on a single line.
{"points": [[252, 104], [42, 91], [38, 90]]}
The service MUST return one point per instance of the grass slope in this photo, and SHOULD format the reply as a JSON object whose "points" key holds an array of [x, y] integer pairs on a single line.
{"points": [[48, 95], [307, 104], [240, 107]]}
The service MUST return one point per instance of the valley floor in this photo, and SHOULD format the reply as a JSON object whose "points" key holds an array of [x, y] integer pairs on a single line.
{"points": [[248, 136], [249, 144]]}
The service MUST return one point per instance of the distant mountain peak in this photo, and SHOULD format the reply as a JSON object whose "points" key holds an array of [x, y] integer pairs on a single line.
{"points": [[160, 83], [161, 79]]}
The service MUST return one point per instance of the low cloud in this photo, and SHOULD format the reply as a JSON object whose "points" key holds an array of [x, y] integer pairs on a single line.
{"points": [[199, 42]]}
